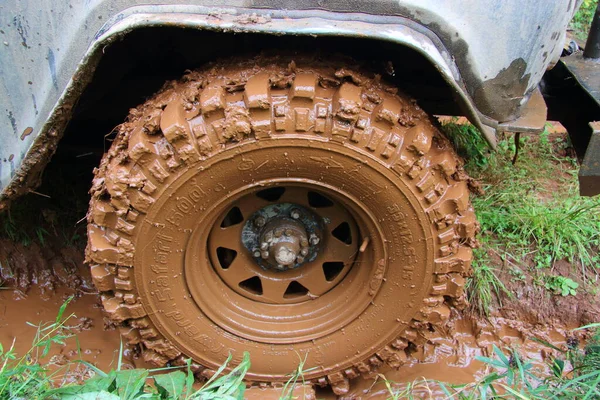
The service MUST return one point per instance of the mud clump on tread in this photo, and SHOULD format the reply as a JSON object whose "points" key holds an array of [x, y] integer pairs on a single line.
{"points": [[265, 100]]}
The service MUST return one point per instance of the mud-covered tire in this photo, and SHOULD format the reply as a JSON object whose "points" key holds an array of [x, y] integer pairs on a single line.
{"points": [[262, 123]]}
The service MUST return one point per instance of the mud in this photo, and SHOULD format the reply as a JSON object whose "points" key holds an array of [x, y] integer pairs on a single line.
{"points": [[24, 266], [95, 346], [36, 281], [447, 356], [450, 356]]}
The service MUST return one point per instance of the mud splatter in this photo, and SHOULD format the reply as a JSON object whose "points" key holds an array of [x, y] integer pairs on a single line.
{"points": [[26, 132], [52, 66], [21, 26], [13, 121]]}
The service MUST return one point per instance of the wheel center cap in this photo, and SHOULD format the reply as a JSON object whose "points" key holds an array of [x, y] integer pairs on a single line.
{"points": [[284, 243], [282, 236]]}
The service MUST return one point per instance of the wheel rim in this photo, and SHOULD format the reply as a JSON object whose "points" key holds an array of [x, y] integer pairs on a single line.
{"points": [[331, 239], [277, 319]]}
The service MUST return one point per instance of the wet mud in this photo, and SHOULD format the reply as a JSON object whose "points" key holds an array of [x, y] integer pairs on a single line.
{"points": [[35, 282], [450, 356], [447, 356]]}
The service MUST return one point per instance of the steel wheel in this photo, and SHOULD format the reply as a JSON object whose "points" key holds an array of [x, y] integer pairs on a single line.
{"points": [[283, 245], [283, 211]]}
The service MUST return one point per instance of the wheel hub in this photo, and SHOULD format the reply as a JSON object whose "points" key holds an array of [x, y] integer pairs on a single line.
{"points": [[283, 236], [284, 244]]}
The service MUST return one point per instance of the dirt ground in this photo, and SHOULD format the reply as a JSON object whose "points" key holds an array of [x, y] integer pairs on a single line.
{"points": [[37, 276], [40, 280]]}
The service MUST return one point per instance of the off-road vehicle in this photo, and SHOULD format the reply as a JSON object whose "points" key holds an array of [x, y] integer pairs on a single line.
{"points": [[283, 188]]}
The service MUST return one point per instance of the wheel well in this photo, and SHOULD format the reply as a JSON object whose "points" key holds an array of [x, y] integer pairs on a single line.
{"points": [[136, 66]]}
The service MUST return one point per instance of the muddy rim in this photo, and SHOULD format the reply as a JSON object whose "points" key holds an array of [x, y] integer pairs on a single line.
{"points": [[252, 295], [283, 245]]}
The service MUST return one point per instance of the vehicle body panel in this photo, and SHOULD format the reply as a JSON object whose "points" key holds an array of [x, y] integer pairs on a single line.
{"points": [[492, 53]]}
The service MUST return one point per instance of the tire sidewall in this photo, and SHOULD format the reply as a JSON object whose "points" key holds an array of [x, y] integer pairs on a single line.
{"points": [[185, 203]]}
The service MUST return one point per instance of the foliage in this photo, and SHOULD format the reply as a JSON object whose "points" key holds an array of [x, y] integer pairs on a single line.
{"points": [[561, 285], [130, 384], [483, 284], [582, 19], [287, 393], [530, 212]]}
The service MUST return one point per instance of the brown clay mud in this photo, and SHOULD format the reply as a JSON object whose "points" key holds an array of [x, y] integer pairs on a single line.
{"points": [[447, 356], [36, 281], [450, 356], [93, 344]]}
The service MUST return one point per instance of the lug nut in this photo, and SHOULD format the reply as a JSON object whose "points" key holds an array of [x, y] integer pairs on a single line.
{"points": [[268, 237], [259, 221], [264, 245], [264, 254], [295, 214], [314, 239], [304, 252], [278, 232], [299, 259], [288, 232], [304, 243], [281, 267], [256, 253]]}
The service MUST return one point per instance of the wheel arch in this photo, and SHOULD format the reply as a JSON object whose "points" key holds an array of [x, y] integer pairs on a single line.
{"points": [[396, 37]]}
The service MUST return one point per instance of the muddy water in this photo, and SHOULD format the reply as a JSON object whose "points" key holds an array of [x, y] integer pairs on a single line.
{"points": [[100, 347], [449, 356]]}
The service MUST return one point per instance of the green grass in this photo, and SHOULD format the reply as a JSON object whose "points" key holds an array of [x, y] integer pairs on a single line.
{"points": [[531, 214], [561, 285], [582, 19], [483, 286]]}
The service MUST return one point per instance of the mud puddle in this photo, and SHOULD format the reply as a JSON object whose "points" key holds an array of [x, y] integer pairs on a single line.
{"points": [[37, 281], [93, 342], [448, 356]]}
